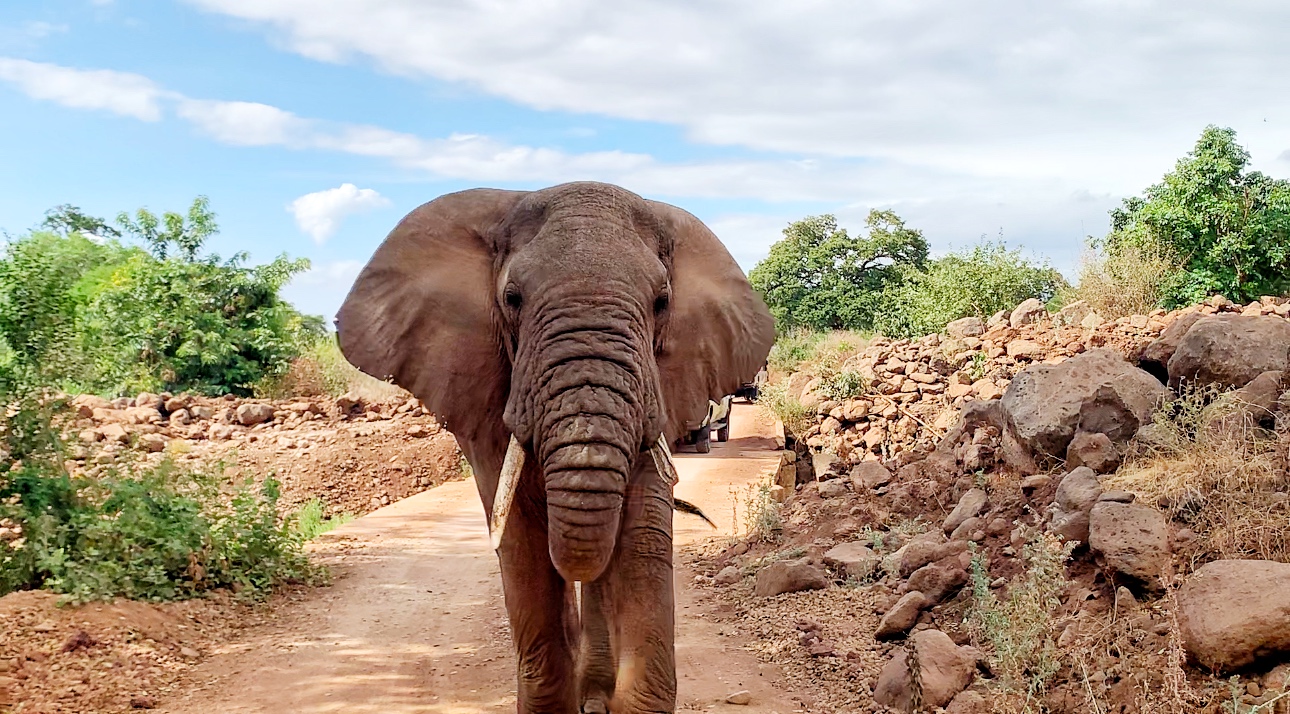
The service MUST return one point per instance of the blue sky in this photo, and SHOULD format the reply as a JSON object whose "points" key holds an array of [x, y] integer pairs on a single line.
{"points": [[968, 119]]}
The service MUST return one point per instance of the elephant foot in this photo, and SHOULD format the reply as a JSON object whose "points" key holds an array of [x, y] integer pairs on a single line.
{"points": [[595, 706]]}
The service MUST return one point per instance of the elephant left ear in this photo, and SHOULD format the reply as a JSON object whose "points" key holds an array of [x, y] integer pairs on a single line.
{"points": [[719, 332]]}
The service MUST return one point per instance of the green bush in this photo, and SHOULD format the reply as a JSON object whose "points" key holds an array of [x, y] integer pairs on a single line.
{"points": [[977, 282], [1229, 227], [819, 278], [311, 523], [144, 532], [99, 315]]}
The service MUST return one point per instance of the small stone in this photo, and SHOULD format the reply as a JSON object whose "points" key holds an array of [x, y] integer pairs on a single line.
{"points": [[969, 505], [741, 698], [729, 575], [254, 413], [787, 576], [868, 475], [1117, 497], [189, 653], [143, 701], [832, 489], [902, 616]]}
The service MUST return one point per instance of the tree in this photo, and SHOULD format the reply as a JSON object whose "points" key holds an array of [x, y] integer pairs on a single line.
{"points": [[1229, 228], [974, 283], [187, 234], [104, 316], [819, 277], [68, 219]]}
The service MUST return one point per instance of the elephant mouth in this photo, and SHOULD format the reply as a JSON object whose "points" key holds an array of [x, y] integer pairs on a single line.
{"points": [[513, 466]]}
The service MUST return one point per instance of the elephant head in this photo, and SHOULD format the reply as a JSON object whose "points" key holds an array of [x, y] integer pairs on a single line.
{"points": [[583, 321]]}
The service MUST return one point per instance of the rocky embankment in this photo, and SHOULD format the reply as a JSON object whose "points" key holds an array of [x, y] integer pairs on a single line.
{"points": [[1036, 512], [354, 454]]}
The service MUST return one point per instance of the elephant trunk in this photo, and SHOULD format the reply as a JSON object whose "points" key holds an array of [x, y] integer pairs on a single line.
{"points": [[592, 404]]}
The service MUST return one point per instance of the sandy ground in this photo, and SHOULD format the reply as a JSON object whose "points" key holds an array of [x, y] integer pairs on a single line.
{"points": [[414, 621]]}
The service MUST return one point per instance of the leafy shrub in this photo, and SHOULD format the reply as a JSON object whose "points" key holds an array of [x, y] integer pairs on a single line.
{"points": [[311, 523], [792, 349], [1230, 227], [100, 315], [153, 533], [975, 283], [843, 384], [1019, 629], [819, 278]]}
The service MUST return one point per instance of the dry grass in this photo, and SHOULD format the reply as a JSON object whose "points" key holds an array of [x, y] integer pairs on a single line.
{"points": [[1227, 485], [1128, 282], [322, 371], [787, 408]]}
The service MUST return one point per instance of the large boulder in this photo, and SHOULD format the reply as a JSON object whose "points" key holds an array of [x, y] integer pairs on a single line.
{"points": [[902, 616], [1131, 539], [1027, 313], [254, 413], [1255, 404], [1231, 350], [788, 576], [944, 670], [969, 506], [1097, 391], [1156, 355], [966, 327], [855, 559], [1234, 612], [937, 581]]}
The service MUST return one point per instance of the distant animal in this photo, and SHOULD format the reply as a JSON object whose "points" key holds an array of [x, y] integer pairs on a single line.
{"points": [[566, 337]]}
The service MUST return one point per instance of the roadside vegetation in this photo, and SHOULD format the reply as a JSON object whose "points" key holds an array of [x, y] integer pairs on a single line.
{"points": [[1210, 226], [116, 309]]}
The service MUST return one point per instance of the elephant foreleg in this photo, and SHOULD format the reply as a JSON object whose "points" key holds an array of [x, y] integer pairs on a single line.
{"points": [[596, 669], [536, 602], [642, 601]]}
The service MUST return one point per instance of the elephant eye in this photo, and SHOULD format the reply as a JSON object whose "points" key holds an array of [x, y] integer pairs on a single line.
{"points": [[513, 298], [661, 302]]}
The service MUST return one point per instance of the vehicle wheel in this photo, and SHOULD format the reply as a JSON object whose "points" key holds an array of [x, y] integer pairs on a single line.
{"points": [[703, 440], [723, 433]]}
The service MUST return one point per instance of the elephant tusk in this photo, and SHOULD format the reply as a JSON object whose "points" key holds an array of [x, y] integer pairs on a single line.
{"points": [[663, 459], [512, 465]]}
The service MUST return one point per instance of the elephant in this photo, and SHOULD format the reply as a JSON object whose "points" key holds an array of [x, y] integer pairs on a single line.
{"points": [[566, 336]]}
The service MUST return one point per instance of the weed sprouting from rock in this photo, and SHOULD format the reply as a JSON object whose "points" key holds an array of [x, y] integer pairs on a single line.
{"points": [[1018, 630]]}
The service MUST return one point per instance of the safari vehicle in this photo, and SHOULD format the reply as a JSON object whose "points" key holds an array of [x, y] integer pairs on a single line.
{"points": [[750, 390], [718, 418]]}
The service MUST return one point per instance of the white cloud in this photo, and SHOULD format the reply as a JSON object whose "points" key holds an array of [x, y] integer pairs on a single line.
{"points": [[39, 29], [1058, 91], [121, 93], [243, 123], [320, 214]]}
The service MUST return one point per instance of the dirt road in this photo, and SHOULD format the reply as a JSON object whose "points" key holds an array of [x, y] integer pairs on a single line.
{"points": [[414, 621]]}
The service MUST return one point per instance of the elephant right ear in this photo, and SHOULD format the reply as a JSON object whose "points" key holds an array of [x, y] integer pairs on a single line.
{"points": [[421, 313]]}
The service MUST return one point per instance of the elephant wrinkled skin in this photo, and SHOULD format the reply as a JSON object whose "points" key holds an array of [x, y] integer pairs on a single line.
{"points": [[583, 322]]}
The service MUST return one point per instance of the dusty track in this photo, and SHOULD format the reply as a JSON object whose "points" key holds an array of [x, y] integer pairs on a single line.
{"points": [[414, 621]]}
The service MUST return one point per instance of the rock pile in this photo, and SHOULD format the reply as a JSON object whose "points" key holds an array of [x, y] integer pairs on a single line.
{"points": [[963, 448], [353, 453], [915, 388]]}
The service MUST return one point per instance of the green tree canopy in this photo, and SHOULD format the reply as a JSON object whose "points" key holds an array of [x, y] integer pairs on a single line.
{"points": [[977, 282], [1228, 228], [105, 316], [819, 277]]}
